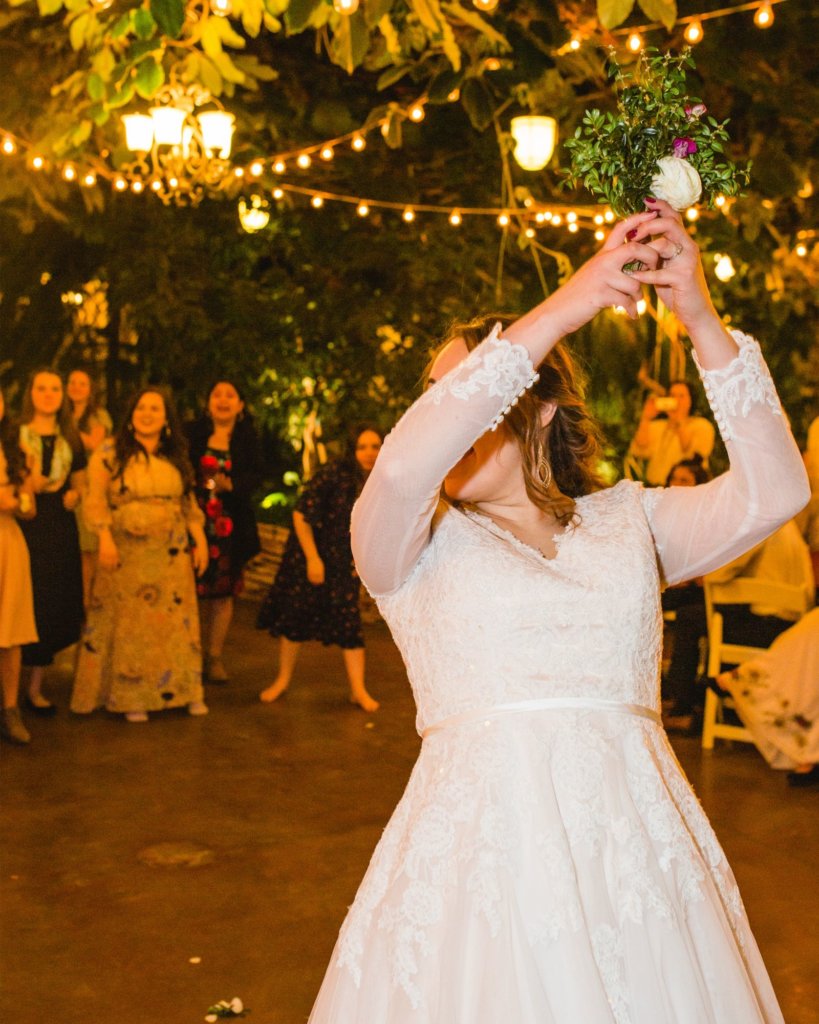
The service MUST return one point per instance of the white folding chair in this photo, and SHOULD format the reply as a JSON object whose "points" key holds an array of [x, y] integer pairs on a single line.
{"points": [[789, 599]]}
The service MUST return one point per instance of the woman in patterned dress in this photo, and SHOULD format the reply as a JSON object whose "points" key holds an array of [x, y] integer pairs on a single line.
{"points": [[316, 591], [224, 451], [140, 648]]}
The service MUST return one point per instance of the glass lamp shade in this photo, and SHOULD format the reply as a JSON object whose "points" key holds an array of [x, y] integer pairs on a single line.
{"points": [[535, 138], [168, 122], [139, 132], [217, 128]]}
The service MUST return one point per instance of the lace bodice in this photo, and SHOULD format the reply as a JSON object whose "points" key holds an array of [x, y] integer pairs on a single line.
{"points": [[482, 619]]}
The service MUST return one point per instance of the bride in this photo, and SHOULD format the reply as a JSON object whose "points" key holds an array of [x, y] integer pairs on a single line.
{"points": [[548, 862]]}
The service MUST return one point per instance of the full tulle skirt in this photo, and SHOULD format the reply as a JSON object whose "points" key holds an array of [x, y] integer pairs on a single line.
{"points": [[551, 868]]}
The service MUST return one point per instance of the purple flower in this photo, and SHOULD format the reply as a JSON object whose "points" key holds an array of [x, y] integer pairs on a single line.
{"points": [[684, 147], [692, 113]]}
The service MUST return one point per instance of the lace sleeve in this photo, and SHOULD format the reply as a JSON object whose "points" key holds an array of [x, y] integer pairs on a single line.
{"points": [[391, 520], [698, 529]]}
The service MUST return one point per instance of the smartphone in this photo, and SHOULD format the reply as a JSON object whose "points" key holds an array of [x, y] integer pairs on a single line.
{"points": [[665, 403]]}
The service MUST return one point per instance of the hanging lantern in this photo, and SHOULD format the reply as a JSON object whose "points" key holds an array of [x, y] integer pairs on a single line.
{"points": [[535, 138], [168, 124], [139, 132], [217, 127], [253, 216]]}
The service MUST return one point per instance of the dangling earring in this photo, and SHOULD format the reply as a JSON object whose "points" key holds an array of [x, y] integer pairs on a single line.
{"points": [[130, 428], [543, 470]]}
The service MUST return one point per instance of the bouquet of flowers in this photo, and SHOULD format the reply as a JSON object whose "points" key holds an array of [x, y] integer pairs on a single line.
{"points": [[660, 142]]}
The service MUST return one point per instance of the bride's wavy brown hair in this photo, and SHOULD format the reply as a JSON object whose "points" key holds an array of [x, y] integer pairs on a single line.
{"points": [[571, 442]]}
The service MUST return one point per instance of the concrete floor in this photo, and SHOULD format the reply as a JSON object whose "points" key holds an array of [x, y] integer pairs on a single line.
{"points": [[240, 839]]}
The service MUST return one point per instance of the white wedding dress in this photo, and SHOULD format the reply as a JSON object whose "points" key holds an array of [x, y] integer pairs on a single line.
{"points": [[548, 862]]}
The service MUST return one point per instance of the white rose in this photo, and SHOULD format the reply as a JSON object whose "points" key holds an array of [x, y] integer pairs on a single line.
{"points": [[677, 183]]}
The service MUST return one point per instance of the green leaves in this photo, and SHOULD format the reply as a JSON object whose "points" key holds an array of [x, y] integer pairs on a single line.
{"points": [[613, 12], [477, 103], [150, 77], [664, 11], [169, 15]]}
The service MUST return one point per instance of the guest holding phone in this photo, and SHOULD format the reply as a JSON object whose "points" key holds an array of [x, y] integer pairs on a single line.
{"points": [[677, 437]]}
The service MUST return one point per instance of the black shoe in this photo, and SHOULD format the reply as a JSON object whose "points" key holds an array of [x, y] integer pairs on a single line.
{"points": [[43, 710], [799, 779]]}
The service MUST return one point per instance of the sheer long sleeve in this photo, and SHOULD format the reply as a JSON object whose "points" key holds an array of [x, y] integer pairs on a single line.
{"points": [[392, 518], [698, 529]]}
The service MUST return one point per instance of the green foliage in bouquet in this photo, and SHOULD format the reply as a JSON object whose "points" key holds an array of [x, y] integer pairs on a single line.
{"points": [[616, 156]]}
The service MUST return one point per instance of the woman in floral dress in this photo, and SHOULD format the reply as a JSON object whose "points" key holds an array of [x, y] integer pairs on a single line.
{"points": [[140, 648], [316, 591], [224, 451]]}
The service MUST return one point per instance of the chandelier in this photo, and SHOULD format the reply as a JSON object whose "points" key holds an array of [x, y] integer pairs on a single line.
{"points": [[182, 152]]}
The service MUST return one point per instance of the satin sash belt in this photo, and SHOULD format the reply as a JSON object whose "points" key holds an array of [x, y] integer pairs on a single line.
{"points": [[545, 704]]}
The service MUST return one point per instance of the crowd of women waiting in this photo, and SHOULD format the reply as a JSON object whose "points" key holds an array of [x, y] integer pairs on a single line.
{"points": [[131, 545]]}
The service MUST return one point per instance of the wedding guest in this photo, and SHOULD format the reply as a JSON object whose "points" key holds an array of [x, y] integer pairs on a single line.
{"points": [[140, 648], [316, 591], [781, 558], [548, 860], [49, 438], [777, 697], [93, 425], [17, 624], [679, 435], [224, 451]]}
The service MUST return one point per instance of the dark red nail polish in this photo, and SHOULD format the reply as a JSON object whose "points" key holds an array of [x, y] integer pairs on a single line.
{"points": [[650, 199], [631, 234]]}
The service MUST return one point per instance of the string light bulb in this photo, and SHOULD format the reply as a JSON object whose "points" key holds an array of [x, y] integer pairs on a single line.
{"points": [[529, 232], [362, 210], [256, 168], [221, 8], [8, 146], [358, 143], [600, 234], [635, 42], [575, 43], [574, 227], [764, 15], [692, 213], [417, 113], [238, 172], [69, 172], [317, 202], [137, 186], [278, 193], [455, 218], [409, 215], [89, 179], [303, 160], [571, 217], [120, 184], [487, 6], [503, 220], [557, 220], [173, 182], [723, 267], [801, 250], [156, 185], [347, 7], [694, 32], [279, 167], [327, 153], [719, 201], [608, 216]]}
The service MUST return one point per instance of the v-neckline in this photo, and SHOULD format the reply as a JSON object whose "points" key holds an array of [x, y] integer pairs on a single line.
{"points": [[488, 523]]}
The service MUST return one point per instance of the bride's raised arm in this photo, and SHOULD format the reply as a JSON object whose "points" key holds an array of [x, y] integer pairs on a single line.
{"points": [[392, 518]]}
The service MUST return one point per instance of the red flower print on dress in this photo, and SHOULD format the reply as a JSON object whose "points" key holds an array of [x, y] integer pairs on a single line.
{"points": [[213, 508], [223, 527], [210, 463]]}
